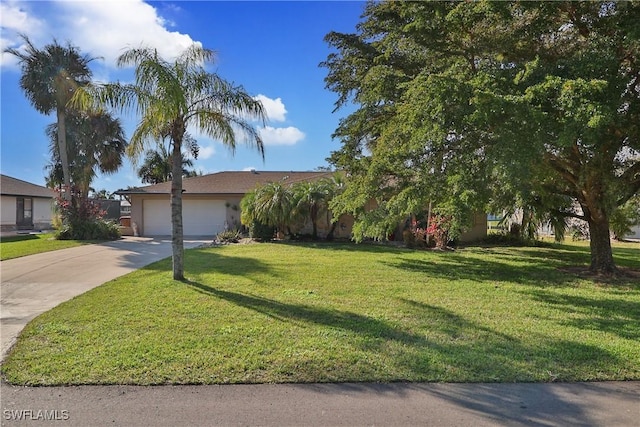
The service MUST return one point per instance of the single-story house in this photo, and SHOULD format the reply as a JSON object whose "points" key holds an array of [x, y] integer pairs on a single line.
{"points": [[24, 206], [211, 204]]}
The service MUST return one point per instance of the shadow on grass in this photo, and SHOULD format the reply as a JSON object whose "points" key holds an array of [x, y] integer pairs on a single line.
{"points": [[618, 316], [442, 346], [18, 238], [451, 267], [531, 267]]}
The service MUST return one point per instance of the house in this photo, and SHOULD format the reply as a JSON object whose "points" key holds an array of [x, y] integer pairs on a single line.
{"points": [[210, 203], [24, 206]]}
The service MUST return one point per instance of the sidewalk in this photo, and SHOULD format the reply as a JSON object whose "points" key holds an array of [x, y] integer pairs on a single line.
{"points": [[608, 404]]}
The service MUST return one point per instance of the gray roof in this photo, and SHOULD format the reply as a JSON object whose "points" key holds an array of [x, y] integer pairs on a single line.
{"points": [[228, 182], [16, 187]]}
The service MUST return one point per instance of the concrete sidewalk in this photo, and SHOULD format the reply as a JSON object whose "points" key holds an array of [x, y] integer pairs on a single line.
{"points": [[34, 284], [608, 404]]}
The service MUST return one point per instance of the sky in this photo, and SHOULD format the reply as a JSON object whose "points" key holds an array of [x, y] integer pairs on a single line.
{"points": [[272, 48]]}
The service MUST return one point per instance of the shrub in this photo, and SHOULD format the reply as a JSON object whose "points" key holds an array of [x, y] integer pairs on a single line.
{"points": [[93, 229], [81, 219], [229, 236], [260, 231]]}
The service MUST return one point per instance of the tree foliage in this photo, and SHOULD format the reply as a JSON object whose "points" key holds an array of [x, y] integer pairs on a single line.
{"points": [[286, 207], [157, 164], [490, 105], [169, 96], [95, 143], [50, 77]]}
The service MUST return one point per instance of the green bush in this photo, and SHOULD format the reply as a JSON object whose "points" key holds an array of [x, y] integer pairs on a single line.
{"points": [[92, 229], [229, 236], [260, 231]]}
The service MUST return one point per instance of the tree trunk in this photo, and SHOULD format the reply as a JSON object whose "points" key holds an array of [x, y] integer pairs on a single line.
{"points": [[62, 150], [177, 240], [600, 242]]}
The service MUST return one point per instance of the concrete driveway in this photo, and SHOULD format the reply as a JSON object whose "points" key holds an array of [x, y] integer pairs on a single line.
{"points": [[34, 284]]}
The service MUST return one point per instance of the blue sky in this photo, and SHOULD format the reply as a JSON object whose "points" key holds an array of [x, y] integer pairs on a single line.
{"points": [[271, 48]]}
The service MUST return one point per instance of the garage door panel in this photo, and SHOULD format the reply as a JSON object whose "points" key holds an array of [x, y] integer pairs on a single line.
{"points": [[156, 218], [203, 217], [199, 217]]}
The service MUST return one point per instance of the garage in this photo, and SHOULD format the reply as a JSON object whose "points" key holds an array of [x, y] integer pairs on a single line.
{"points": [[199, 217]]}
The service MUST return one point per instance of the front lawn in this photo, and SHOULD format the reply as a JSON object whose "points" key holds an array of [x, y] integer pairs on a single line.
{"points": [[30, 244], [317, 313]]}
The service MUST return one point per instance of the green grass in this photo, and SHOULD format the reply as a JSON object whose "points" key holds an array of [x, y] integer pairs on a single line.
{"points": [[272, 313], [30, 244]]}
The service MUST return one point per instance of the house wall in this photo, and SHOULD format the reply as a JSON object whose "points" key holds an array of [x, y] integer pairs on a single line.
{"points": [[478, 229], [42, 213], [8, 211]]}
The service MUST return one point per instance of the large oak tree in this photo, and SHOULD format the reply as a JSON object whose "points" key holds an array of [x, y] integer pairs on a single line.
{"points": [[478, 104]]}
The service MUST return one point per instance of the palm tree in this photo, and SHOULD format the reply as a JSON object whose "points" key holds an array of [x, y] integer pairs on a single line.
{"points": [[169, 96], [311, 198], [274, 205], [50, 77], [157, 165], [95, 142]]}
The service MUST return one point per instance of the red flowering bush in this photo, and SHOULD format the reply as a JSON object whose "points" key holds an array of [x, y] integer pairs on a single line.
{"points": [[82, 219], [439, 228]]}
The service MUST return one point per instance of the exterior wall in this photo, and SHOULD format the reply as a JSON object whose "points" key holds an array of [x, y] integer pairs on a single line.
{"points": [[42, 213], [233, 212], [478, 229], [635, 233], [8, 212]]}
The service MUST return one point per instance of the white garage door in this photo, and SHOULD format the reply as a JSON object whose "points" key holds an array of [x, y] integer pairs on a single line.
{"points": [[199, 217]]}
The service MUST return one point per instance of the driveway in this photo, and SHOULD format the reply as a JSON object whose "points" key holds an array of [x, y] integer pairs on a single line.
{"points": [[34, 284]]}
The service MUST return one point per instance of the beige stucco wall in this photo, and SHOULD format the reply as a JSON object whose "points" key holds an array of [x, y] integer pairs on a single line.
{"points": [[8, 210], [42, 212], [478, 229]]}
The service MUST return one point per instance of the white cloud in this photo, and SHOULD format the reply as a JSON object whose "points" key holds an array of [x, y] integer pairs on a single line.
{"points": [[206, 152], [281, 136], [248, 169], [274, 108], [107, 28], [16, 19], [99, 28]]}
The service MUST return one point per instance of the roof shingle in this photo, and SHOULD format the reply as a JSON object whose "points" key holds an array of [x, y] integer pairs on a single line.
{"points": [[16, 187], [235, 182]]}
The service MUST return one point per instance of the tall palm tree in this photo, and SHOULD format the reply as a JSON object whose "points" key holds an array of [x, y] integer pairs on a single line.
{"points": [[171, 96], [95, 142], [157, 165], [50, 77]]}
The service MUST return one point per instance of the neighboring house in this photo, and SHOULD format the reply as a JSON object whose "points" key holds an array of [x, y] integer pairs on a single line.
{"points": [[635, 233], [210, 203], [24, 206]]}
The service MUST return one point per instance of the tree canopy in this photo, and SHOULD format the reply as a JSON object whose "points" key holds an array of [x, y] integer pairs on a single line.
{"points": [[50, 77], [490, 105]]}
